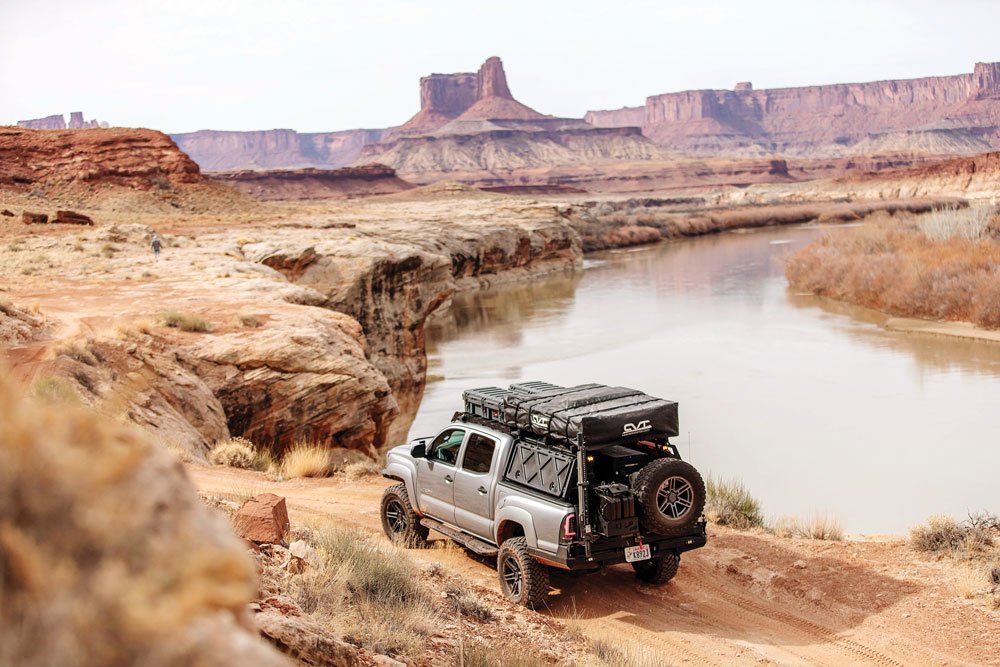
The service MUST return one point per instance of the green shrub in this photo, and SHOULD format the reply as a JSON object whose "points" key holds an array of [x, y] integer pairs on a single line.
{"points": [[729, 503]]}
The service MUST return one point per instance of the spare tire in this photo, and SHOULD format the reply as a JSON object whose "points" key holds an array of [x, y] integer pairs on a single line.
{"points": [[671, 495]]}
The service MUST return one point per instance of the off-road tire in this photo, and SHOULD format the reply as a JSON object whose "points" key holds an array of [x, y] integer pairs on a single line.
{"points": [[399, 520], [657, 570], [664, 514], [532, 588]]}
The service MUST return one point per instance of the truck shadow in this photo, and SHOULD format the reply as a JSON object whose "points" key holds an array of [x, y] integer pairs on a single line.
{"points": [[739, 587]]}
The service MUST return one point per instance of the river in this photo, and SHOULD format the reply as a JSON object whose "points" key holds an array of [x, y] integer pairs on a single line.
{"points": [[810, 403]]}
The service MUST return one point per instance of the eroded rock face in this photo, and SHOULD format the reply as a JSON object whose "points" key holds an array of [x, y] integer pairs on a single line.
{"points": [[491, 81], [107, 556], [299, 184]]}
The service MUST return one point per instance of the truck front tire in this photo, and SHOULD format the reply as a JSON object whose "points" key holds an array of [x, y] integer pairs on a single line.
{"points": [[522, 579], [672, 496], [399, 520], [657, 570]]}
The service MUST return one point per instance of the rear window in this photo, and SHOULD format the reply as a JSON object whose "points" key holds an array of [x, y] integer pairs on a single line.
{"points": [[478, 453]]}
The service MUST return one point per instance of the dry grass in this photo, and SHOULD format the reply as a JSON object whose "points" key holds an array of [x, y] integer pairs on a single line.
{"points": [[477, 653], [306, 459], [622, 654], [249, 321], [817, 527], [362, 470], [185, 322], [78, 352], [729, 503], [897, 269], [970, 223]]}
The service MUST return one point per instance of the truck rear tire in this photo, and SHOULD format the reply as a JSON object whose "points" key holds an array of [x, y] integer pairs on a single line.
{"points": [[399, 520], [657, 570], [671, 494], [522, 578]]}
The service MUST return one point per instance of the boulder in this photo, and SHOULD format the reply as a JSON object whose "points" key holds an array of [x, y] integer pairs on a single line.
{"points": [[309, 642], [72, 218], [34, 218], [262, 520], [7, 213]]}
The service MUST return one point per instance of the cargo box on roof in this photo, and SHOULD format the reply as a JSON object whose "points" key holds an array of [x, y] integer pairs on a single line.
{"points": [[598, 414]]}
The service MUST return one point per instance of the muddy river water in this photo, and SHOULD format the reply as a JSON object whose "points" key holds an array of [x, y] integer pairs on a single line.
{"points": [[810, 403]]}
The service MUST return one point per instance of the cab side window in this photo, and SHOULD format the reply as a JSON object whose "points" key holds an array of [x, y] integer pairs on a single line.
{"points": [[445, 447], [478, 455]]}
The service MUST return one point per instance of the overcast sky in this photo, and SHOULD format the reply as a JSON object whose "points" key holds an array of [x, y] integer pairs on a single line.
{"points": [[183, 65]]}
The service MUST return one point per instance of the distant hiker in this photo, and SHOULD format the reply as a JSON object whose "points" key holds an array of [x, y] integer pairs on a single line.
{"points": [[155, 244]]}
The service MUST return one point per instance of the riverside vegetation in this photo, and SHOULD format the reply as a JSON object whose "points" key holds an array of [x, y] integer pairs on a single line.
{"points": [[943, 265]]}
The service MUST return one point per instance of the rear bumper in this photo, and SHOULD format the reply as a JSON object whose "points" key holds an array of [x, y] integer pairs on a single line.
{"points": [[608, 551]]}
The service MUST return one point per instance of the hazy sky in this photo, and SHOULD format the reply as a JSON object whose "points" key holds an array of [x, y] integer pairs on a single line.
{"points": [[182, 65]]}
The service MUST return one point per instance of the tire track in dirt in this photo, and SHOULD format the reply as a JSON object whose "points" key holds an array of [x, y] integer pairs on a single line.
{"points": [[850, 646]]}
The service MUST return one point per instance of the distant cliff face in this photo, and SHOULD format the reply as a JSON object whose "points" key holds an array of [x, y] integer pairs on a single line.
{"points": [[216, 150], [58, 122], [964, 110]]}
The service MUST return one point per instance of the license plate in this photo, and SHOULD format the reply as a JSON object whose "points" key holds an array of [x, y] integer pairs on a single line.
{"points": [[633, 554]]}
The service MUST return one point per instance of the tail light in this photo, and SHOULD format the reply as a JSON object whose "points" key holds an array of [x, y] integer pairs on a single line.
{"points": [[568, 531]]}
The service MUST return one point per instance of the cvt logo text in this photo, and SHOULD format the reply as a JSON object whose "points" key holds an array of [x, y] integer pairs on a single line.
{"points": [[540, 420], [638, 427]]}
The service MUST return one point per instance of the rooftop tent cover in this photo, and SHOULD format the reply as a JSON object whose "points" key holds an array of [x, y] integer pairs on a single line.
{"points": [[602, 415]]}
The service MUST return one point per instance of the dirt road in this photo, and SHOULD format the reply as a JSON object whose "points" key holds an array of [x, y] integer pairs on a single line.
{"points": [[743, 600]]}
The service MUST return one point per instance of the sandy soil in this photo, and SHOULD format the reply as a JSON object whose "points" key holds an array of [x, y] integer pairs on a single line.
{"points": [[745, 599]]}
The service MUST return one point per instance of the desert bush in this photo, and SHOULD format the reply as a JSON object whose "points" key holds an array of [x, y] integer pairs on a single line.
{"points": [[53, 390], [969, 223], [944, 536], [729, 503], [250, 321], [468, 603], [185, 322], [817, 527], [234, 452], [899, 270], [306, 459], [74, 350], [362, 469]]}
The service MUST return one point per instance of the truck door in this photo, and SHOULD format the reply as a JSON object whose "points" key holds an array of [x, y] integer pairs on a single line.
{"points": [[474, 488], [436, 475]]}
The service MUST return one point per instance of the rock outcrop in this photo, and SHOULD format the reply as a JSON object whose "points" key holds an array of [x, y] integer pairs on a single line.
{"points": [[946, 114], [493, 98], [133, 158], [107, 555], [299, 184], [443, 97]]}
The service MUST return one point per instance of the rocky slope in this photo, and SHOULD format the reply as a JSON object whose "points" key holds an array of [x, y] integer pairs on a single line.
{"points": [[107, 556], [936, 115], [297, 184]]}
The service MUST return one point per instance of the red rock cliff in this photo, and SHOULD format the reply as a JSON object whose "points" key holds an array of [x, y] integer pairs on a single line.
{"points": [[812, 117]]}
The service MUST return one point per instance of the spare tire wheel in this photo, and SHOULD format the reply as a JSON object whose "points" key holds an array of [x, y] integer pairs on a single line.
{"points": [[671, 494]]}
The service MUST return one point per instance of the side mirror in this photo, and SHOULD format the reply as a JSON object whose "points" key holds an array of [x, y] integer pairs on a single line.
{"points": [[419, 451]]}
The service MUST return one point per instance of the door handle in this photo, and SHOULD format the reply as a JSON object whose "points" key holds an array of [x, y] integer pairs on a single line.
{"points": [[448, 479], [482, 490]]}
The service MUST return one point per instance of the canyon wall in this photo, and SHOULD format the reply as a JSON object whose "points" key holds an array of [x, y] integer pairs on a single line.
{"points": [[961, 113], [217, 150]]}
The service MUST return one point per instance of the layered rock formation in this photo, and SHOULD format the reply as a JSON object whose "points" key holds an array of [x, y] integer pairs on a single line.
{"points": [[299, 184], [443, 97], [132, 158], [936, 115], [216, 150], [58, 122]]}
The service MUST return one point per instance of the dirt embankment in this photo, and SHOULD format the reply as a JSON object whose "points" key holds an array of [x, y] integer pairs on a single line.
{"points": [[306, 184], [745, 599]]}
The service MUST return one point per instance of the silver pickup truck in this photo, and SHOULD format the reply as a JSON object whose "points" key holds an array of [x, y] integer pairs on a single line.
{"points": [[544, 477]]}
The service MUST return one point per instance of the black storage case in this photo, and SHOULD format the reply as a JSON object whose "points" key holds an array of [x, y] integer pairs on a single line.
{"points": [[601, 415], [486, 402]]}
